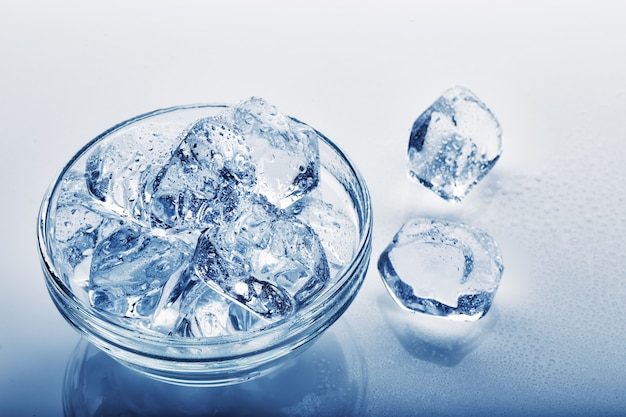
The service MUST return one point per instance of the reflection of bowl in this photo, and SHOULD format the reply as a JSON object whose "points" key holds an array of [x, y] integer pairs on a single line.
{"points": [[223, 359], [329, 379]]}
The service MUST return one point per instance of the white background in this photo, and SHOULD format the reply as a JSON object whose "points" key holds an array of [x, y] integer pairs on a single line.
{"points": [[360, 72]]}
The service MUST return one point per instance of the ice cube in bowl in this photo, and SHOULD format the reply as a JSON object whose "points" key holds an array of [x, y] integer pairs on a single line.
{"points": [[120, 267]]}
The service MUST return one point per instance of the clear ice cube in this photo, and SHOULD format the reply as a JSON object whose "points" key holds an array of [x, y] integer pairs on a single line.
{"points": [[129, 269], [76, 224], [191, 308], [117, 173], [208, 174], [212, 314], [336, 231], [454, 144], [264, 259], [442, 268], [285, 151]]}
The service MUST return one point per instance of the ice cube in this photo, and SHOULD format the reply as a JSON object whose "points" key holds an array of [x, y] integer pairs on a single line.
{"points": [[129, 269], [116, 174], [264, 259], [337, 232], [191, 308], [213, 314], [284, 150], [76, 224], [205, 179], [294, 259], [454, 144], [442, 268]]}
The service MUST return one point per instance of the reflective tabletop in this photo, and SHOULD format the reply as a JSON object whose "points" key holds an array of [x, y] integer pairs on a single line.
{"points": [[361, 73]]}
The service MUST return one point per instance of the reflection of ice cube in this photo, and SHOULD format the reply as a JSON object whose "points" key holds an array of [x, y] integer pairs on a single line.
{"points": [[454, 144], [264, 259], [206, 177], [129, 269], [336, 231], [442, 268], [284, 150]]}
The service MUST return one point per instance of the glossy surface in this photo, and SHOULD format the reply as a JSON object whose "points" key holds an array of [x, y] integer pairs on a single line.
{"points": [[360, 72]]}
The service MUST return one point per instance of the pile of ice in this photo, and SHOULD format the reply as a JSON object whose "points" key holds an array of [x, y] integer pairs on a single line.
{"points": [[219, 232]]}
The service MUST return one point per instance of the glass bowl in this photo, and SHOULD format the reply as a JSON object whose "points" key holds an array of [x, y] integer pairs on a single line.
{"points": [[223, 359]]}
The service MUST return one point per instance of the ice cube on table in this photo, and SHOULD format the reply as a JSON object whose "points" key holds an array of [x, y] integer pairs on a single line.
{"points": [[336, 231], [208, 174], [454, 144], [264, 259], [442, 268], [129, 269], [285, 151]]}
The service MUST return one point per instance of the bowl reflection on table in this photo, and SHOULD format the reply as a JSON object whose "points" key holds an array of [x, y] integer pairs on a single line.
{"points": [[329, 379], [225, 359]]}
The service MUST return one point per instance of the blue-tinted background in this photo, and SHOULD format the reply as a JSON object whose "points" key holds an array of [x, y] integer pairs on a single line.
{"points": [[360, 72]]}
